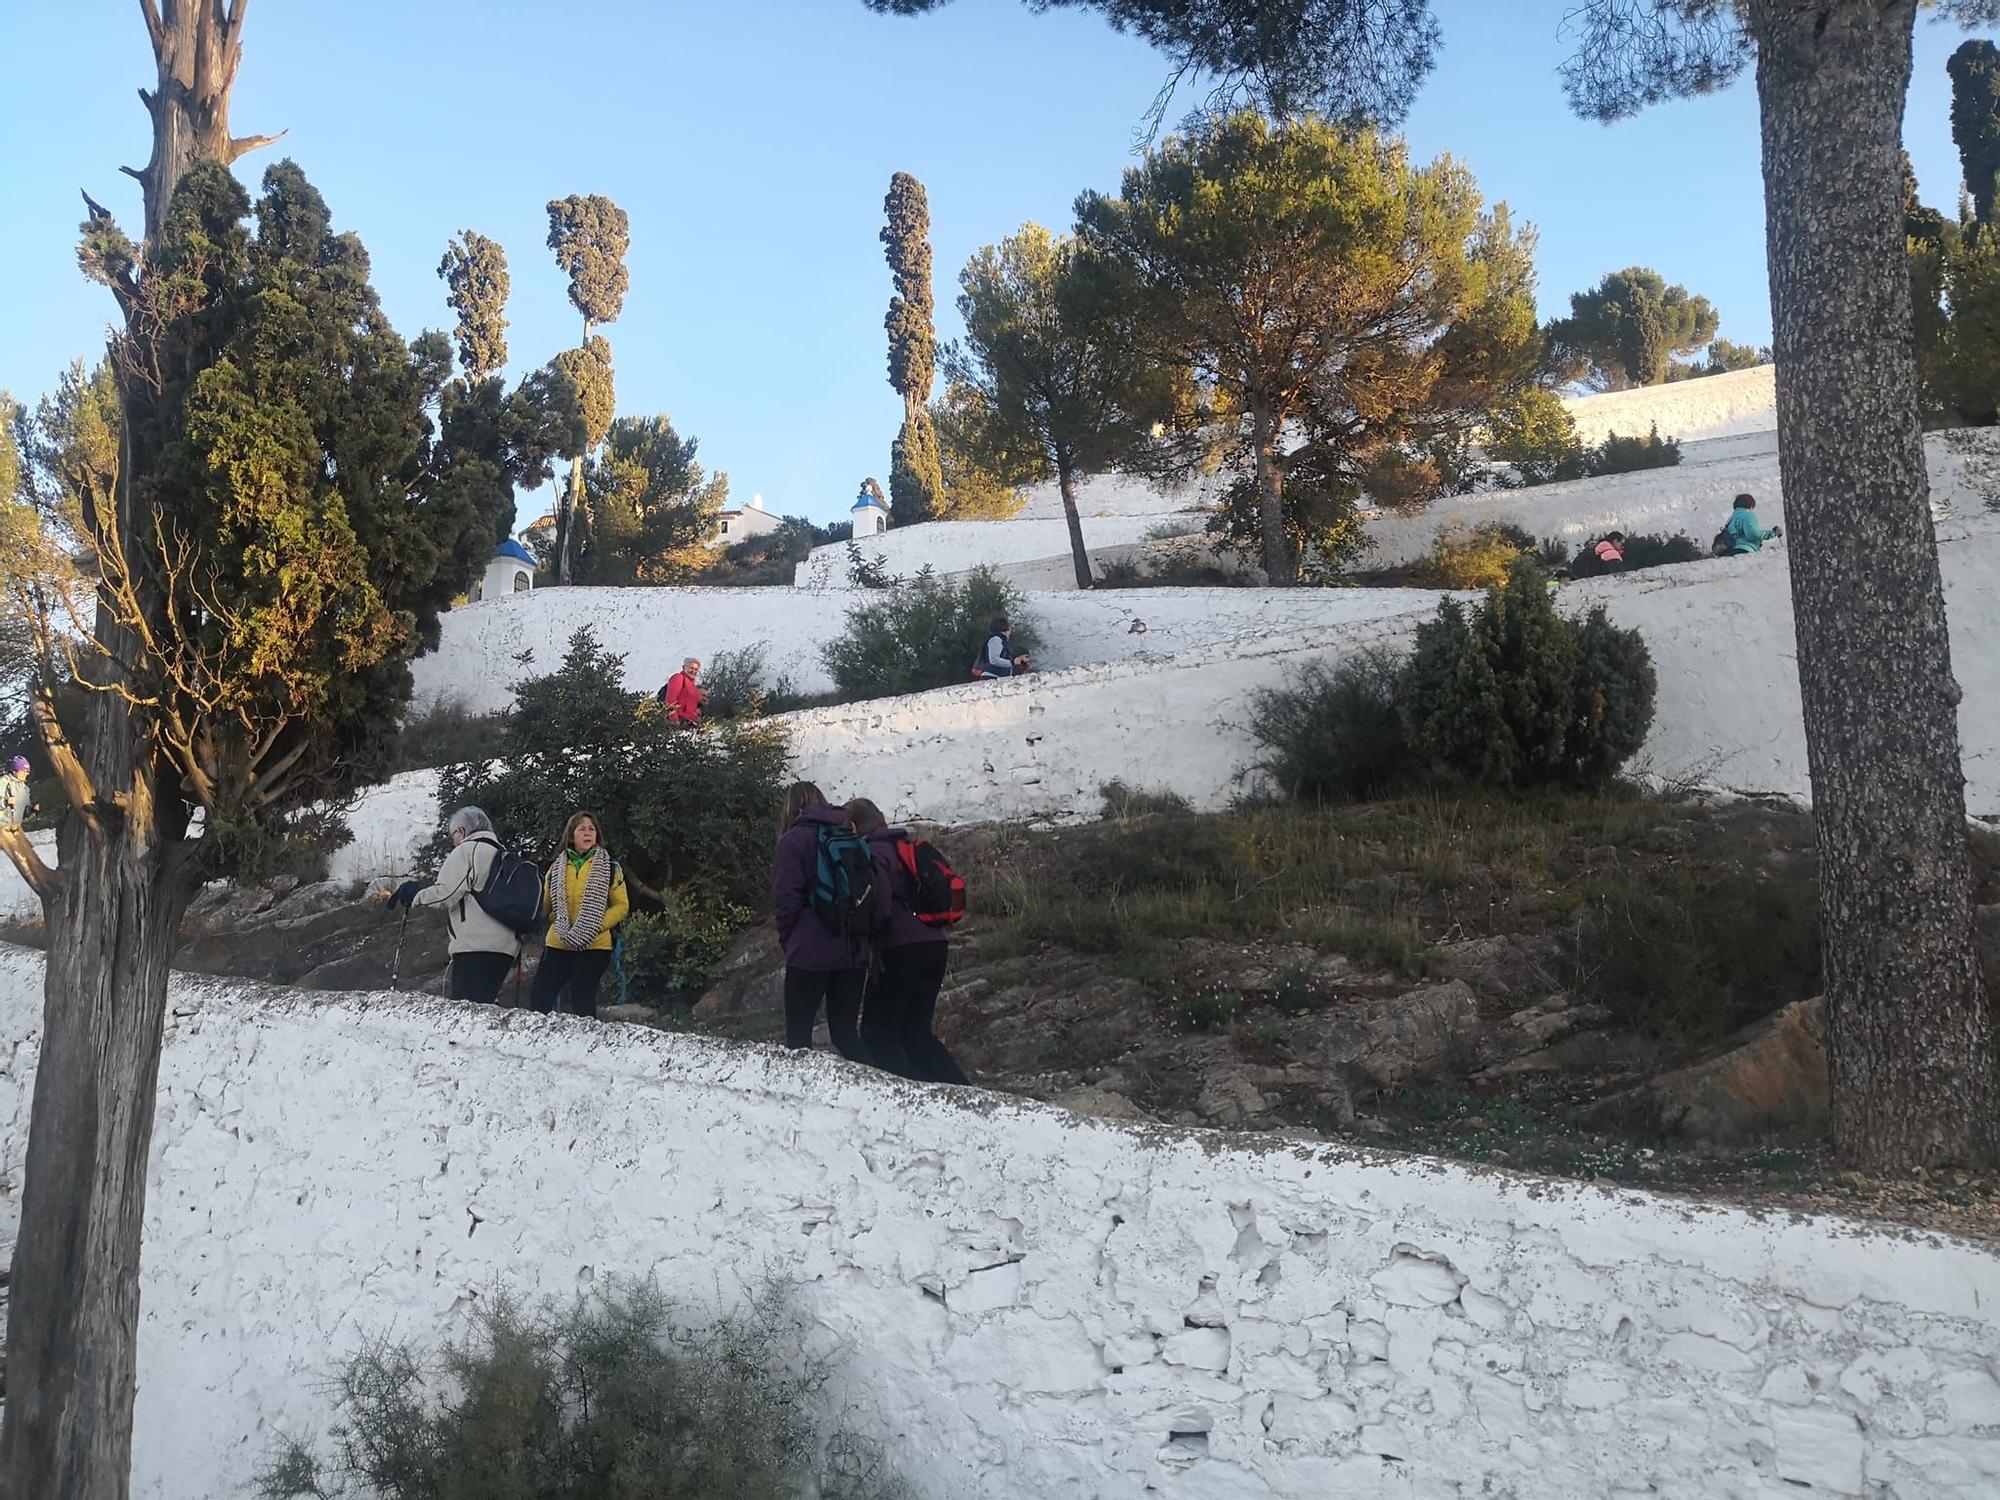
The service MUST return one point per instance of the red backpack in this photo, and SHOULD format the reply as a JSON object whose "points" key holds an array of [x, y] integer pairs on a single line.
{"points": [[940, 890]]}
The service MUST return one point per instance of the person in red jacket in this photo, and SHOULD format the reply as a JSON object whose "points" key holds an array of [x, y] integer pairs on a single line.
{"points": [[682, 695]]}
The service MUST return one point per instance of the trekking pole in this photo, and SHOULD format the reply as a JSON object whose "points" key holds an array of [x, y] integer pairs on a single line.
{"points": [[396, 964]]}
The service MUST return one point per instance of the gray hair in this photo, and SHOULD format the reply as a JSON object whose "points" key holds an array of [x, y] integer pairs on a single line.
{"points": [[691, 661], [470, 820]]}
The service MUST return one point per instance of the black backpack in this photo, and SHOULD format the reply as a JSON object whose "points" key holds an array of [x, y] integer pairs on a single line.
{"points": [[1724, 544], [513, 893], [843, 891]]}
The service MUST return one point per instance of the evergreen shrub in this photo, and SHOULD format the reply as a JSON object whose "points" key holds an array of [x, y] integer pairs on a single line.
{"points": [[922, 633], [1646, 549], [1511, 693], [607, 1397], [1334, 731]]}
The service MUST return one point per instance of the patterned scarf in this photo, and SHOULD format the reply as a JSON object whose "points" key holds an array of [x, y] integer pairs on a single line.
{"points": [[579, 929]]}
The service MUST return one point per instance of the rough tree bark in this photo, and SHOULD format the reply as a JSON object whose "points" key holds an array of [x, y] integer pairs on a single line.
{"points": [[198, 45], [1911, 1042], [1279, 567], [113, 909], [1079, 554]]}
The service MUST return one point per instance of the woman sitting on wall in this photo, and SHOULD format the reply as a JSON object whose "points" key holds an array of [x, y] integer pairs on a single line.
{"points": [[587, 901]]}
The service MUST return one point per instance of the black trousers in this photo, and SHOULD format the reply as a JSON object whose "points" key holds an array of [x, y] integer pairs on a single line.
{"points": [[900, 1009], [579, 973], [842, 991], [478, 976]]}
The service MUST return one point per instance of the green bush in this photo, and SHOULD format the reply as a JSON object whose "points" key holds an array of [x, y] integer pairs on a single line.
{"points": [[604, 1398], [1537, 435], [671, 955], [1510, 693], [733, 684], [1464, 556], [687, 811], [1628, 455], [922, 634], [1645, 549], [1334, 731]]}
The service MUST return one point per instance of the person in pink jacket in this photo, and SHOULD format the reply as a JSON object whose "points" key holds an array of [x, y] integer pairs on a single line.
{"points": [[682, 695]]}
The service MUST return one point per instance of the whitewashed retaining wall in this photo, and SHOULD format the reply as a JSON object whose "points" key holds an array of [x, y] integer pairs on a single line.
{"points": [[1029, 1304], [478, 657], [1712, 407]]}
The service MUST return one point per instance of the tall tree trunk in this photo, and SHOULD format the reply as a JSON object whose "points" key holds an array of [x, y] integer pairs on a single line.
{"points": [[1079, 554], [1910, 1038], [73, 1314], [566, 522], [198, 45], [1279, 565]]}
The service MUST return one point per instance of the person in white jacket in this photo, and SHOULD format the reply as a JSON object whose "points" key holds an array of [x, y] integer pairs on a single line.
{"points": [[483, 951]]}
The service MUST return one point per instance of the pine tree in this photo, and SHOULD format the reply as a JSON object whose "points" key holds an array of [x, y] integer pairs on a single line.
{"points": [[915, 482], [589, 236], [1626, 330], [1975, 121], [1060, 385], [654, 509], [1327, 290]]}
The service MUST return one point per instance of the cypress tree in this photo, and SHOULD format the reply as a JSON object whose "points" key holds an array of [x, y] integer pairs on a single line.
{"points": [[590, 236], [1975, 121], [474, 269], [916, 480]]}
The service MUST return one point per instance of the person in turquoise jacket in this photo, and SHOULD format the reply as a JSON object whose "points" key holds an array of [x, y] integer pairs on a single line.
{"points": [[1744, 534]]}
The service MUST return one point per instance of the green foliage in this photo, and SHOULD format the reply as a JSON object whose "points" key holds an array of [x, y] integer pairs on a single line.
{"points": [[1723, 358], [447, 733], [308, 519], [1626, 330], [669, 957], [688, 811], [1322, 285], [772, 559], [1975, 121], [588, 370], [1628, 455], [1052, 365], [916, 471], [1536, 434], [1643, 549], [653, 508], [923, 633], [916, 484], [1334, 731], [614, 1396], [1333, 57], [1209, 1009], [474, 269], [733, 683], [590, 235], [982, 478], [1956, 286], [1465, 556], [1511, 693]]}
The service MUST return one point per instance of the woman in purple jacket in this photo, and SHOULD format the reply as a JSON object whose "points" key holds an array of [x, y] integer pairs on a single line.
{"points": [[910, 959], [819, 964]]}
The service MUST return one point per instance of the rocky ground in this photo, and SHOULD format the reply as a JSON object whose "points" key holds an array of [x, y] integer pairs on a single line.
{"points": [[1617, 987]]}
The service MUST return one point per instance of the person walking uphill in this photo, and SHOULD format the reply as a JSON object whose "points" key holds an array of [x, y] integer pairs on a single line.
{"points": [[483, 949], [910, 960], [821, 920], [587, 901], [682, 695]]}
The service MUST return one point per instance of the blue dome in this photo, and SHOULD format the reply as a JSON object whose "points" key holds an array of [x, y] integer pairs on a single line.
{"points": [[514, 550], [869, 502]]}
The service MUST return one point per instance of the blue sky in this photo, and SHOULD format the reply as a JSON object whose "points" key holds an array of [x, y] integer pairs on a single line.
{"points": [[751, 141]]}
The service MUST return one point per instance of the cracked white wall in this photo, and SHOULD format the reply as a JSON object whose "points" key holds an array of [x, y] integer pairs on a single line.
{"points": [[1030, 1304]]}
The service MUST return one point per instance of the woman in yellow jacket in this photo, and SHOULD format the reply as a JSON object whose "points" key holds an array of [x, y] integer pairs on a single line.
{"points": [[586, 894]]}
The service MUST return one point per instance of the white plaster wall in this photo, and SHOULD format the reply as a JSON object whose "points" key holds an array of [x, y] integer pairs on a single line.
{"points": [[1029, 1304], [477, 660], [957, 546], [1714, 406]]}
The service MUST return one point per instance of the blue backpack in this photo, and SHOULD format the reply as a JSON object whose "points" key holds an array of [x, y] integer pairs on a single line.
{"points": [[843, 890]]}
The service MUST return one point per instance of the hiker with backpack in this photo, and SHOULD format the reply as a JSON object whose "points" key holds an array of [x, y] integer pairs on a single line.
{"points": [[823, 902], [919, 897], [486, 932], [996, 658], [682, 695], [1742, 534], [586, 902]]}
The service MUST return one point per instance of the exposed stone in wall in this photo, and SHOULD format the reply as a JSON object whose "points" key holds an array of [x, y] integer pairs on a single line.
{"points": [[1030, 1304]]}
